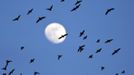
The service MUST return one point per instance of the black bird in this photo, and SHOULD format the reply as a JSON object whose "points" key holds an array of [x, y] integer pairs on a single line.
{"points": [[50, 8], [32, 60], [116, 74], [35, 73], [22, 47], [81, 48], [82, 33], [109, 40], [7, 62], [102, 68], [123, 72], [98, 41], [75, 8], [11, 71], [98, 50], [109, 10], [30, 11], [90, 56], [116, 51], [17, 18], [4, 74], [62, 0], [85, 37], [62, 36], [20, 73], [40, 18], [78, 2], [59, 56]]}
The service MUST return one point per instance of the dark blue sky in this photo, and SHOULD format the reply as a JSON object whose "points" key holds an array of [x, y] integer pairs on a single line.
{"points": [[90, 16]]}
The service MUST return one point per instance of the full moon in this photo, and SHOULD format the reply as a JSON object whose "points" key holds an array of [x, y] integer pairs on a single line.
{"points": [[53, 31]]}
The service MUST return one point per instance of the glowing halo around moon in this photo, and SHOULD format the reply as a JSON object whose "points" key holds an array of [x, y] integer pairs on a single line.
{"points": [[53, 31]]}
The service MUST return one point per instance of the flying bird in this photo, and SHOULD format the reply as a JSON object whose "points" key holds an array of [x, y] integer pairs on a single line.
{"points": [[81, 48], [20, 73], [98, 41], [40, 18], [17, 18], [62, 36], [102, 68], [109, 40], [11, 72], [82, 33], [98, 50], [4, 74], [35, 73], [30, 11], [22, 47], [32, 60], [78, 2], [59, 56], [116, 74], [50, 8], [85, 37], [123, 72], [116, 51], [75, 8], [109, 10], [62, 0], [90, 56], [7, 62]]}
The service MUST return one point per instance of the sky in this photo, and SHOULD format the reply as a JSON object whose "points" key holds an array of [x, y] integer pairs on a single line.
{"points": [[118, 25]]}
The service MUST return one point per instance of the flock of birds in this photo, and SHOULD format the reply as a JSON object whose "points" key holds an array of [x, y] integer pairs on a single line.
{"points": [[81, 34]]}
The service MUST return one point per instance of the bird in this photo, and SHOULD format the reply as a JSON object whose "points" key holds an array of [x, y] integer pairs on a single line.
{"points": [[81, 48], [116, 51], [4, 74], [85, 37], [90, 56], [102, 68], [109, 10], [40, 18], [109, 40], [62, 36], [35, 73], [7, 62], [17, 18], [32, 60], [62, 0], [22, 47], [59, 56], [11, 71], [116, 74], [82, 33], [98, 50], [75, 8], [20, 73], [78, 2], [50, 8], [30, 11], [98, 41], [123, 72]]}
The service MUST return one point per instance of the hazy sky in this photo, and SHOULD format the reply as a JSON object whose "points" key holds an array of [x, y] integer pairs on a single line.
{"points": [[90, 17]]}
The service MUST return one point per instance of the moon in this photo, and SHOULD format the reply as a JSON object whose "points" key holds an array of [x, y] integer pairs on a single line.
{"points": [[53, 31]]}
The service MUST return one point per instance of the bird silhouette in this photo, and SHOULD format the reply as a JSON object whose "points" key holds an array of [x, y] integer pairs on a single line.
{"points": [[78, 2], [98, 41], [62, 0], [30, 11], [11, 72], [90, 56], [40, 18], [85, 37], [102, 68], [123, 72], [59, 56], [50, 8], [116, 51], [4, 74], [81, 48], [32, 60], [116, 74], [35, 73], [109, 10], [17, 18], [109, 40], [22, 47], [82, 33], [75, 8], [20, 73], [7, 62], [98, 50], [62, 36]]}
